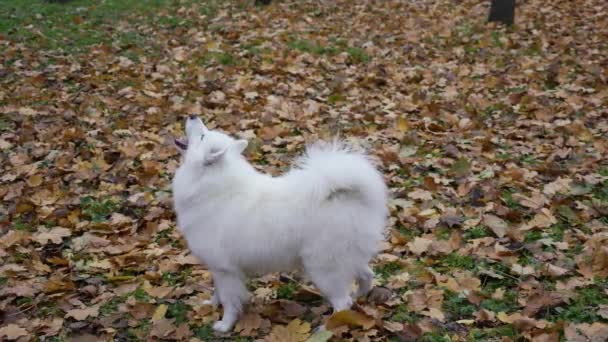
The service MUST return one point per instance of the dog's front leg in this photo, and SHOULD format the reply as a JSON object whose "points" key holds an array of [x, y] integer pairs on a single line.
{"points": [[232, 294]]}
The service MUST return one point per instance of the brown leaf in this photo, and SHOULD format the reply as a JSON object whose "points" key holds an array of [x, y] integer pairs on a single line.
{"points": [[498, 225], [82, 314], [350, 318], [248, 324], [12, 332], [419, 245], [295, 331], [54, 235]]}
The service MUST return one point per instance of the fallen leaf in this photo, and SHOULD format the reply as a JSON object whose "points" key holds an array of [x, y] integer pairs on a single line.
{"points": [[350, 318], [248, 324], [159, 313], [498, 225], [12, 332], [82, 314], [54, 235], [295, 331]]}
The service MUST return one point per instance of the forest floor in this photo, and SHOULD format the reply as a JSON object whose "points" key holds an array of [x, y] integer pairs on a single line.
{"points": [[493, 141]]}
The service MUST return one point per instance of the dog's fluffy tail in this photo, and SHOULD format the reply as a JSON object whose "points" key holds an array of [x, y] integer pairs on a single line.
{"points": [[335, 171]]}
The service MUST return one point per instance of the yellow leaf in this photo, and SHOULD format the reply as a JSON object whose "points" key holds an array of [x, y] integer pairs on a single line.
{"points": [[34, 180], [159, 313], [295, 331], [351, 318], [402, 125]]}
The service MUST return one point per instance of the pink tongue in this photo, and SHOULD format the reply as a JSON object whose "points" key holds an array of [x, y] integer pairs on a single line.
{"points": [[181, 144]]}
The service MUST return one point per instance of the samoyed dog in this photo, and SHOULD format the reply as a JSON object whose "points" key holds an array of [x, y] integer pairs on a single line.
{"points": [[325, 216]]}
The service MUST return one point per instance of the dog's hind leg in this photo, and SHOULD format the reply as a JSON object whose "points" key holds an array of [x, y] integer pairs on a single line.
{"points": [[232, 295], [365, 278]]}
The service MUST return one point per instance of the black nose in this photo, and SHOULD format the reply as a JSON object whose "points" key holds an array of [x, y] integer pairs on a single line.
{"points": [[192, 116]]}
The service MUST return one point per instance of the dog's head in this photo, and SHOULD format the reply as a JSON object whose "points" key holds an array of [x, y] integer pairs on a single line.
{"points": [[206, 147]]}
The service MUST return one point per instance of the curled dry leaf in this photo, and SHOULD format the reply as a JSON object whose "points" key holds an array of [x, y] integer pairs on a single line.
{"points": [[350, 318]]}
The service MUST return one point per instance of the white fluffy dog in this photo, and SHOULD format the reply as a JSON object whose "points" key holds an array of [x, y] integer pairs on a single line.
{"points": [[327, 216]]}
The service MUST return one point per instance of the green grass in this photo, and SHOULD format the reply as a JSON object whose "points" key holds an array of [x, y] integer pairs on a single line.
{"points": [[387, 270], [403, 315], [98, 210], [454, 260], [476, 233], [356, 55], [79, 24], [583, 308], [457, 307], [287, 291], [178, 311], [507, 304]]}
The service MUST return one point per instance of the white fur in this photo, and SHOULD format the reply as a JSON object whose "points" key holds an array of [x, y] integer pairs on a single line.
{"points": [[326, 216]]}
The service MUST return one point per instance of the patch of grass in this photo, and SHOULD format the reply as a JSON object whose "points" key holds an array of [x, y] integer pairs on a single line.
{"points": [[75, 25], [507, 304], [141, 295], [457, 307], [476, 233], [386, 270], [204, 333], [492, 333], [98, 210], [179, 311], [335, 98], [533, 235], [435, 337], [443, 233], [556, 231], [358, 55], [403, 315], [287, 291], [111, 305], [19, 224], [312, 47], [583, 308], [176, 278], [455, 260], [507, 198]]}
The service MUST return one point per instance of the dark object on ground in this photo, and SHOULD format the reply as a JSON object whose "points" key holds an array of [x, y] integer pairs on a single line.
{"points": [[262, 2], [502, 11], [58, 1]]}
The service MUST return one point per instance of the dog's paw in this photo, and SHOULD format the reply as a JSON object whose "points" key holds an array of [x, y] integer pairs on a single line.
{"points": [[210, 302], [221, 326]]}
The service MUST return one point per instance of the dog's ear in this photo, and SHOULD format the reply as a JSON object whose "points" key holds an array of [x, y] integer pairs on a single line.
{"points": [[215, 155], [239, 146]]}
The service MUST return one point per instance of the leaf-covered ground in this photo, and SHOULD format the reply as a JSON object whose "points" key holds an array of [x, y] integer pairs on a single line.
{"points": [[493, 141]]}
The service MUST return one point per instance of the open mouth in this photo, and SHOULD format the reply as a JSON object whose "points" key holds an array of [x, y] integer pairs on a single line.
{"points": [[181, 143]]}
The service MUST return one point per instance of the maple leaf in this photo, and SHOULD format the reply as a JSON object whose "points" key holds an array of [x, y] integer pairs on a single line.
{"points": [[54, 235], [350, 318], [295, 331], [248, 324], [12, 332], [82, 314]]}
